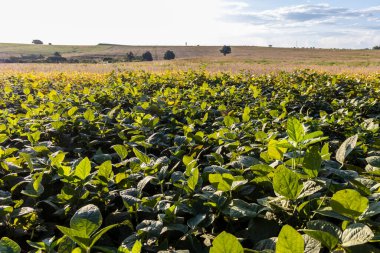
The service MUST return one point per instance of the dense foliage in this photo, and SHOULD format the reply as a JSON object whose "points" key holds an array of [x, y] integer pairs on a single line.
{"points": [[193, 162]]}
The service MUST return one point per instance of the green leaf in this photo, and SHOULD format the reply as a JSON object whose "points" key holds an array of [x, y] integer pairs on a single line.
{"points": [[275, 151], [9, 246], [105, 170], [289, 241], [240, 209], [143, 182], [196, 220], [193, 179], [311, 245], [77, 236], [286, 182], [373, 161], [246, 116], [328, 240], [121, 150], [86, 220], [141, 156], [3, 137], [228, 121], [100, 233], [346, 148], [226, 243], [356, 234], [312, 162], [83, 169], [349, 203], [34, 189], [325, 154], [72, 111], [137, 247], [295, 130], [89, 115], [222, 182]]}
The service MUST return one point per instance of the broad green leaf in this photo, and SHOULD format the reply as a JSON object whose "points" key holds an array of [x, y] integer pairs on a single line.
{"points": [[226, 243], [143, 182], [289, 241], [228, 121], [95, 237], [89, 115], [137, 247], [72, 111], [86, 220], [34, 189], [356, 234], [240, 209], [57, 158], [193, 179], [325, 226], [312, 162], [83, 169], [349, 203], [141, 156], [196, 220], [275, 151], [286, 182], [246, 116], [77, 236], [9, 246], [121, 150], [311, 245], [3, 137], [325, 154], [295, 130], [328, 240], [222, 182], [373, 161], [105, 170], [346, 148]]}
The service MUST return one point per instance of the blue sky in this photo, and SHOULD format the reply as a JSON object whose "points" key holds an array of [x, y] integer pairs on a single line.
{"points": [[285, 23]]}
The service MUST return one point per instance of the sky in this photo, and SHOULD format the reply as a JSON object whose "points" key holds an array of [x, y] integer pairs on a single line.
{"points": [[281, 23]]}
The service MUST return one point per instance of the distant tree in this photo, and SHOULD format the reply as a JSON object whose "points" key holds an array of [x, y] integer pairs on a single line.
{"points": [[376, 48], [130, 56], [57, 54], [147, 56], [225, 50], [37, 42], [169, 55]]}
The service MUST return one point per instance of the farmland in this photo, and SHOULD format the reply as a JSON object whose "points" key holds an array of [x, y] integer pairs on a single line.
{"points": [[189, 162], [242, 59]]}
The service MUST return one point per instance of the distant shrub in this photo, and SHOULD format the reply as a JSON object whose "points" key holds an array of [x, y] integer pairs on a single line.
{"points": [[37, 42], [130, 56], [376, 48], [169, 55], [108, 59], [225, 50], [56, 58], [147, 56]]}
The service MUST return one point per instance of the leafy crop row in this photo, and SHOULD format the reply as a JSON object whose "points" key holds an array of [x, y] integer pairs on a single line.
{"points": [[189, 162]]}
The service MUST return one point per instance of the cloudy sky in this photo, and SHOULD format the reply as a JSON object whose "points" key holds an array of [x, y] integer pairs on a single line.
{"points": [[285, 23]]}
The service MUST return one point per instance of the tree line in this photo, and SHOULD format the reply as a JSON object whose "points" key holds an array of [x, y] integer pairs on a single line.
{"points": [[58, 58]]}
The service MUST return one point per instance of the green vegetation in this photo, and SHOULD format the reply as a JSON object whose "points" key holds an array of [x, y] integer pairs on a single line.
{"points": [[169, 55], [225, 50], [189, 161]]}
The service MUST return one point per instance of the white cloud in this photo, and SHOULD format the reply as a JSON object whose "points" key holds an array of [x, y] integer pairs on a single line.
{"points": [[306, 25]]}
